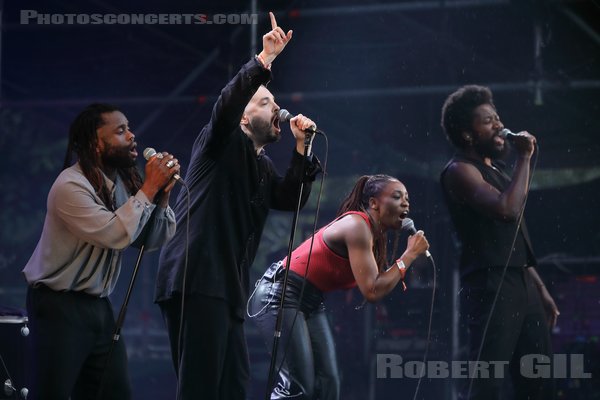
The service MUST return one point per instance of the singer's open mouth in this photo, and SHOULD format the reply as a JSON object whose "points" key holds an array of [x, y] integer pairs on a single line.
{"points": [[498, 139], [133, 151], [403, 214], [276, 124]]}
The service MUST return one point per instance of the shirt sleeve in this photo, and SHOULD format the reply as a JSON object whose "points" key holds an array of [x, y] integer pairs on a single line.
{"points": [[86, 217], [284, 192], [162, 229], [229, 107]]}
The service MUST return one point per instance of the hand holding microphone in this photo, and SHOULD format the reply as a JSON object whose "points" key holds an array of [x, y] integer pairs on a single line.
{"points": [[302, 127], [298, 121], [169, 160], [161, 173], [417, 242], [523, 141]]}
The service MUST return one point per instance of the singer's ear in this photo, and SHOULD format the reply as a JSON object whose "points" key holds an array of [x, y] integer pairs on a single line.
{"points": [[244, 120], [373, 203], [467, 137]]}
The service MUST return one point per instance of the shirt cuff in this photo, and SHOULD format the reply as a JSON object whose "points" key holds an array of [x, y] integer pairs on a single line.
{"points": [[312, 168], [169, 214], [256, 72], [141, 200]]}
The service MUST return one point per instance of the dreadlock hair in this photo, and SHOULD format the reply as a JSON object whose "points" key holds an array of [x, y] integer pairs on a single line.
{"points": [[457, 111], [83, 141], [368, 186]]}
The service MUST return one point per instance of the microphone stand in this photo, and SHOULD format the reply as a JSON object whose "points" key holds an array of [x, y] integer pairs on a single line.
{"points": [[278, 323], [121, 318]]}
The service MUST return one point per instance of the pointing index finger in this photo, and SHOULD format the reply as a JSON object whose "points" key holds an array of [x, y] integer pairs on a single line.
{"points": [[273, 21]]}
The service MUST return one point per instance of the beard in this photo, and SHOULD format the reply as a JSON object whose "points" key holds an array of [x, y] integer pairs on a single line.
{"points": [[263, 131], [490, 150], [117, 157]]}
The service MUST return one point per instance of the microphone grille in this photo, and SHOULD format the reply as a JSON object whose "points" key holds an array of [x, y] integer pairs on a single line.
{"points": [[284, 115], [149, 152], [408, 224], [505, 133]]}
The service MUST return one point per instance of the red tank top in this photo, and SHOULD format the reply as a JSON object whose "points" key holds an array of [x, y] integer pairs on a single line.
{"points": [[327, 271]]}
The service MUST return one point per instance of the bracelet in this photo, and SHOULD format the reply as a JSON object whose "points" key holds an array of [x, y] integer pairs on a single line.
{"points": [[402, 268], [262, 61]]}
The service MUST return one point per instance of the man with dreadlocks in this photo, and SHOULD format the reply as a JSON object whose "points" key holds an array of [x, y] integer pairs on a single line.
{"points": [[96, 208], [349, 251]]}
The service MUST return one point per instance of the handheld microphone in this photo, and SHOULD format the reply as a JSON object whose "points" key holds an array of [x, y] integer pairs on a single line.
{"points": [[409, 225], [508, 134], [149, 152], [9, 389], [284, 115]]}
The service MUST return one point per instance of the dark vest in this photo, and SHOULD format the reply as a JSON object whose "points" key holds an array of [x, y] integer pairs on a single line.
{"points": [[485, 242]]}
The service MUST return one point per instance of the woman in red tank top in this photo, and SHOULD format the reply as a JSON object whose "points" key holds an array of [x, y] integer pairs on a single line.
{"points": [[349, 251]]}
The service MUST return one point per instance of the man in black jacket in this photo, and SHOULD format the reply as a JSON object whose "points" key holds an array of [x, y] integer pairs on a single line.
{"points": [[232, 185], [485, 205]]}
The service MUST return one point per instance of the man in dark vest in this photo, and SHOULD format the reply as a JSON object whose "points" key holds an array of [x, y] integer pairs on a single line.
{"points": [[485, 204]]}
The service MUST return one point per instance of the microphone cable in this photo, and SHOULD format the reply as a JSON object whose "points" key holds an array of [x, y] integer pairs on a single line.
{"points": [[185, 268], [312, 240], [429, 324], [497, 294], [431, 309], [271, 293], [271, 385], [8, 385]]}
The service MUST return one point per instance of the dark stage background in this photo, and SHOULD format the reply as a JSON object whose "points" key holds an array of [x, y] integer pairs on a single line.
{"points": [[374, 75]]}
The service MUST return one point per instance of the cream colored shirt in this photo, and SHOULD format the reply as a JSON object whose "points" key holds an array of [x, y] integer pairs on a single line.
{"points": [[82, 241]]}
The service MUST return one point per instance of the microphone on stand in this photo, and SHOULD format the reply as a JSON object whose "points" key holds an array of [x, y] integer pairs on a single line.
{"points": [[284, 115]]}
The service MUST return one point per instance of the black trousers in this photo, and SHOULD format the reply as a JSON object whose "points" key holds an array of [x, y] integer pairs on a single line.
{"points": [[306, 347], [214, 363], [518, 327], [71, 336]]}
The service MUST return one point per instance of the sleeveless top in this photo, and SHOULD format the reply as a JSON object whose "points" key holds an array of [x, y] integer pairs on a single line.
{"points": [[485, 241], [327, 270]]}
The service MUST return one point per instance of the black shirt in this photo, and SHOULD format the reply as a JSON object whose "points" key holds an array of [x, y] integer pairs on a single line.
{"points": [[231, 191]]}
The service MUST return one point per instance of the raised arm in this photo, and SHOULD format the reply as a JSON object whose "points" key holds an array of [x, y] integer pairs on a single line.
{"points": [[229, 107], [273, 42]]}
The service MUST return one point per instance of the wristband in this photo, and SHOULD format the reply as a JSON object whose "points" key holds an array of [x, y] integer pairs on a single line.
{"points": [[402, 268], [262, 62]]}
